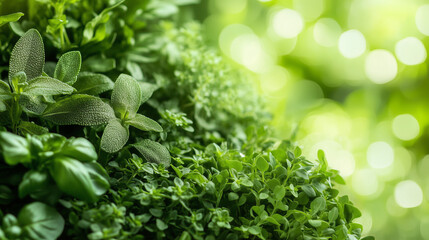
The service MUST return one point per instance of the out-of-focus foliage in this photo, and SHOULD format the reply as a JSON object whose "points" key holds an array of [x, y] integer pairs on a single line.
{"points": [[349, 77]]}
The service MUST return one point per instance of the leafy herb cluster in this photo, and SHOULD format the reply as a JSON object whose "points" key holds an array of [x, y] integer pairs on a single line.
{"points": [[82, 157]]}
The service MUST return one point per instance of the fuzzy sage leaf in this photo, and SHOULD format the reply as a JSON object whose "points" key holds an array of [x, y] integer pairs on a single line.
{"points": [[126, 96], [68, 67], [28, 55], [153, 152], [47, 86], [115, 136], [92, 83], [144, 123], [79, 109]]}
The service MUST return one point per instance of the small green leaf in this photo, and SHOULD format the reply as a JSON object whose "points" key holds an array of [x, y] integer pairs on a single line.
{"points": [[161, 225], [10, 18], [308, 189], [80, 149], [279, 192], [153, 152], [144, 123], [255, 230], [5, 92], [126, 96], [39, 221], [15, 148], [33, 181], [315, 223], [28, 55], [98, 64], [32, 128], [333, 214], [92, 83], [68, 67], [262, 164], [32, 104], [79, 109], [318, 204], [147, 90], [115, 136], [47, 86]]}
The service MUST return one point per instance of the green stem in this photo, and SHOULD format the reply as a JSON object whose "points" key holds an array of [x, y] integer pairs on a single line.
{"points": [[15, 113]]}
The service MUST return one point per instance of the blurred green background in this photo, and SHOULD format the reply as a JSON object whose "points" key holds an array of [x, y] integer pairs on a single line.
{"points": [[348, 77]]}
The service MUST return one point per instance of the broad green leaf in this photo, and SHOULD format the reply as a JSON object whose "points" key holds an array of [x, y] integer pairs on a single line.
{"points": [[153, 152], [28, 55], [10, 18], [32, 128], [32, 182], [47, 86], [115, 136], [39, 221], [126, 96], [147, 90], [99, 177], [14, 148], [5, 92], [92, 83], [318, 204], [262, 164], [98, 64], [351, 212], [144, 123], [74, 178], [79, 109], [68, 67], [79, 149], [32, 104]]}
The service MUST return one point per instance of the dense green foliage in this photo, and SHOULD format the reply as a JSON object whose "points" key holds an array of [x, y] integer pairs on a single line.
{"points": [[208, 169]]}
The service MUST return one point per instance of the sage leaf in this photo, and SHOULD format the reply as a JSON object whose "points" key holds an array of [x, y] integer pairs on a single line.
{"points": [[144, 123], [5, 92], [14, 148], [153, 152], [79, 109], [92, 83], [32, 128], [147, 90], [40, 221], [68, 67], [47, 86], [126, 96], [28, 55], [115, 136], [10, 18], [32, 104]]}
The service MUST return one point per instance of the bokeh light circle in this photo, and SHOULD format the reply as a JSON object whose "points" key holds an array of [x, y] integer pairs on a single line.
{"points": [[326, 32], [405, 127], [352, 44], [365, 182], [287, 23], [408, 194], [381, 66], [422, 19], [410, 51], [380, 155]]}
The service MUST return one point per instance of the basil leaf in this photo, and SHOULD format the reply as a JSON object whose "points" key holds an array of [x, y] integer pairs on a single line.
{"points": [[28, 55], [126, 96], [40, 222], [80, 149], [144, 123], [79, 109], [153, 152], [115, 136], [15, 148], [68, 67]]}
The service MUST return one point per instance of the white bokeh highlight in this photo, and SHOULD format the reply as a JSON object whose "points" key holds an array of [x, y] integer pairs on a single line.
{"points": [[287, 23], [405, 127], [380, 155], [408, 194], [410, 51], [381, 66], [352, 44]]}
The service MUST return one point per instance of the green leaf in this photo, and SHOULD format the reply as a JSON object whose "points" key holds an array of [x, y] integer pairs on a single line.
{"points": [[68, 67], [32, 182], [79, 109], [92, 83], [153, 152], [351, 212], [47, 86], [115, 136], [262, 164], [32, 104], [5, 92], [77, 179], [144, 123], [333, 214], [10, 18], [28, 55], [126, 96], [15, 148], [161, 225], [32, 128], [279, 192], [318, 204], [80, 149], [99, 177], [38, 221], [98, 64]]}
